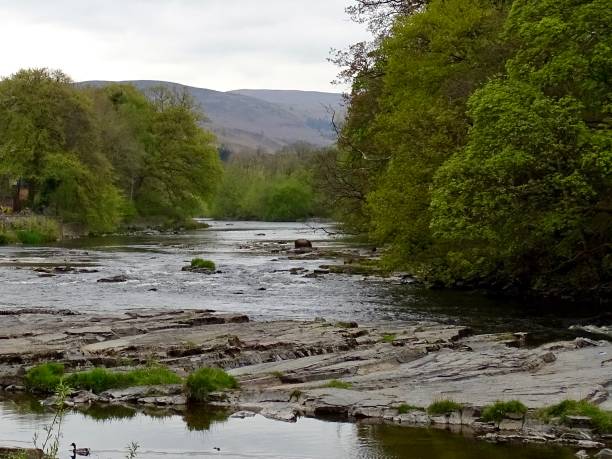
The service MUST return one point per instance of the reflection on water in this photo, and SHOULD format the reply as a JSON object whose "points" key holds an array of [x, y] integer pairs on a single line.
{"points": [[198, 431]]}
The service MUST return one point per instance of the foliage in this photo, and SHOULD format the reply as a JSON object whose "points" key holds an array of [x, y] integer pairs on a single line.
{"points": [[526, 199], [336, 384], [44, 378], [268, 187], [202, 382], [498, 411], [443, 407], [200, 263], [477, 144], [100, 379], [602, 420], [101, 156]]}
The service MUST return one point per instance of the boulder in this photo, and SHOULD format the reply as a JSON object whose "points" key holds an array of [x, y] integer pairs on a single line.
{"points": [[113, 279], [604, 454], [302, 244]]}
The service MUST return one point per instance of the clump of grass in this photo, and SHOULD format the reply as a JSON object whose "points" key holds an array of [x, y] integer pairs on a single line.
{"points": [[499, 410], [296, 393], [100, 379], [47, 377], [601, 419], [346, 324], [278, 374], [336, 384], [406, 408], [389, 338], [200, 263], [44, 378], [202, 382], [35, 229], [441, 407]]}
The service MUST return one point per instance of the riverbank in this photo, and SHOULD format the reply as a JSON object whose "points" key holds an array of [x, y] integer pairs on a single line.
{"points": [[382, 371]]}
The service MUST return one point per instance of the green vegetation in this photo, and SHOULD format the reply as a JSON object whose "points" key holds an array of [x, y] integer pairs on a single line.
{"points": [[389, 338], [200, 263], [602, 420], [45, 378], [477, 144], [336, 384], [202, 382], [296, 393], [29, 230], [100, 156], [443, 407], [406, 408], [269, 187], [499, 410], [100, 379]]}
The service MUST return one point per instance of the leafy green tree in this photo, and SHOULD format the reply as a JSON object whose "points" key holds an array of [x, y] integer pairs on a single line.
{"points": [[527, 203], [48, 138]]}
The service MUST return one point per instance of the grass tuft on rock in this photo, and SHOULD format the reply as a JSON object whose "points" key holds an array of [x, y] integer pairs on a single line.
{"points": [[442, 407], [200, 263], [336, 384], [100, 379], [601, 419], [44, 378], [202, 382], [406, 408], [499, 410], [389, 338]]}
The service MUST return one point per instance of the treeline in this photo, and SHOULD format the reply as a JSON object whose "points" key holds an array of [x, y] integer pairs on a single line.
{"points": [[478, 142], [272, 187], [100, 156]]}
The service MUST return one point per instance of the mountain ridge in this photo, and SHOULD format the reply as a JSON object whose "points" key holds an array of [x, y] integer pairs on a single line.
{"points": [[259, 119]]}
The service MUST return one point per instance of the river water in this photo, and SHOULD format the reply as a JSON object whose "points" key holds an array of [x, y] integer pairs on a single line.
{"points": [[259, 284]]}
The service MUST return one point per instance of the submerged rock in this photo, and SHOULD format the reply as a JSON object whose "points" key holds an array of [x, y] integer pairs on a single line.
{"points": [[114, 279]]}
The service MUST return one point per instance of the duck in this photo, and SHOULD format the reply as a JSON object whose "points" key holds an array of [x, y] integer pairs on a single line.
{"points": [[80, 451]]}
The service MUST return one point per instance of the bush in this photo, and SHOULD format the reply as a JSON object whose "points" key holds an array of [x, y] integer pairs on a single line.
{"points": [[335, 384], [443, 407], [100, 379], [202, 382], [602, 420], [498, 411], [44, 378], [200, 263], [31, 230]]}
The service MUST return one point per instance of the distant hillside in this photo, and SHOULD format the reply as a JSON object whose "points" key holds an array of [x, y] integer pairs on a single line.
{"points": [[262, 119]]}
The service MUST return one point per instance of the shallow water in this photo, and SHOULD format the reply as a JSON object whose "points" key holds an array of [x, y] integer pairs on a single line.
{"points": [[197, 432], [153, 265]]}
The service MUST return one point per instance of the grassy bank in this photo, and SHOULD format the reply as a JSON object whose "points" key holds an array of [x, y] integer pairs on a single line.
{"points": [[33, 230]]}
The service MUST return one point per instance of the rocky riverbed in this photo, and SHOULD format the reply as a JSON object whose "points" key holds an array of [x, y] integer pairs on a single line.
{"points": [[285, 367]]}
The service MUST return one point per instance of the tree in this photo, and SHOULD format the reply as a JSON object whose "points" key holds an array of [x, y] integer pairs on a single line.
{"points": [[527, 201]]}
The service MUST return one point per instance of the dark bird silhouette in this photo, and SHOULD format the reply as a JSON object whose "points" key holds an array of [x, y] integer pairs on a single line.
{"points": [[79, 451]]}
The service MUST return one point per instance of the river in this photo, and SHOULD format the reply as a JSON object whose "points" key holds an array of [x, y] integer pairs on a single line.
{"points": [[258, 283]]}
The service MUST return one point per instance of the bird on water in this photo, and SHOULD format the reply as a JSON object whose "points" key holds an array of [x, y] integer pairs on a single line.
{"points": [[80, 451]]}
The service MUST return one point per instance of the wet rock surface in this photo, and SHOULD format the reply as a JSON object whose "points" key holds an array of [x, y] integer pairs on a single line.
{"points": [[285, 367]]}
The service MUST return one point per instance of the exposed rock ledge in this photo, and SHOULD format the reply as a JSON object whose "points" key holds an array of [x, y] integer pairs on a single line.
{"points": [[283, 365]]}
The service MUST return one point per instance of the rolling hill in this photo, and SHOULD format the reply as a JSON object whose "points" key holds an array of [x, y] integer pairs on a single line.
{"points": [[265, 120]]}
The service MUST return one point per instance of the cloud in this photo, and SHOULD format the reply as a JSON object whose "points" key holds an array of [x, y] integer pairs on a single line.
{"points": [[219, 44]]}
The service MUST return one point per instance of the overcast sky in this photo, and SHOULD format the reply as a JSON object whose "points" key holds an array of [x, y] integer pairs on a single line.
{"points": [[217, 44]]}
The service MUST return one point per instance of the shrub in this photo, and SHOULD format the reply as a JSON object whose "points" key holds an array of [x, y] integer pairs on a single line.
{"points": [[336, 384], [44, 378], [498, 411], [100, 379], [200, 263], [443, 407], [202, 382], [602, 420]]}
